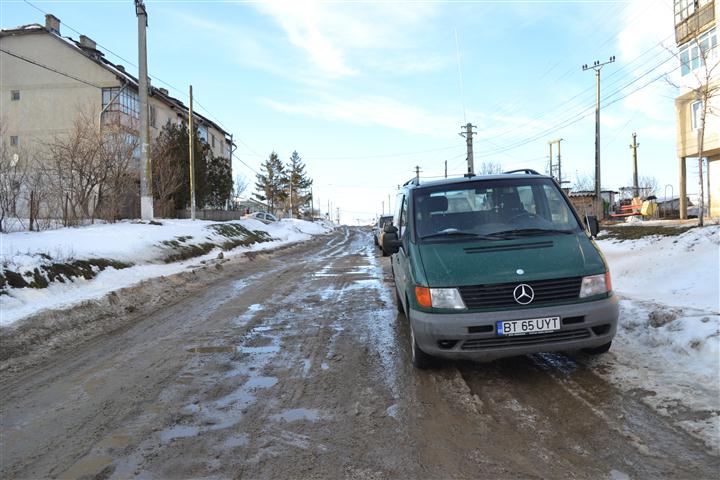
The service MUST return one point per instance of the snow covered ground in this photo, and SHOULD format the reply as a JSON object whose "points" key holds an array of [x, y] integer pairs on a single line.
{"points": [[132, 242], [668, 341]]}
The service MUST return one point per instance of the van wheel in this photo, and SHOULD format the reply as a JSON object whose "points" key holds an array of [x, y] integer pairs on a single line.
{"points": [[399, 302], [420, 359], [385, 253], [598, 350]]}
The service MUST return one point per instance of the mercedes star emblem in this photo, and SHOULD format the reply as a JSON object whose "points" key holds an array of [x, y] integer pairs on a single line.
{"points": [[523, 294]]}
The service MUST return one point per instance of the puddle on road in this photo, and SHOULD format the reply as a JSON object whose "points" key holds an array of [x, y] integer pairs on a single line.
{"points": [[178, 431], [236, 441], [88, 467], [259, 350], [297, 414], [261, 382], [213, 349], [249, 314], [554, 361]]}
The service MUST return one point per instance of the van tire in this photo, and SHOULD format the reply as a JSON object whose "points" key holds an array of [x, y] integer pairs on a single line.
{"points": [[420, 359], [598, 350], [399, 302]]}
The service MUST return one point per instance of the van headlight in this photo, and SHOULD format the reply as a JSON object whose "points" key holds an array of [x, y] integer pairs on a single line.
{"points": [[446, 298], [595, 285]]}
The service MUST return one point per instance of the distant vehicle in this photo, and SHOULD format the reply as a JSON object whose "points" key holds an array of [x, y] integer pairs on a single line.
{"points": [[262, 216], [495, 266], [378, 227]]}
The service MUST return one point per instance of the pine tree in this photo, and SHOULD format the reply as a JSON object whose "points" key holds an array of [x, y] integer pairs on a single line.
{"points": [[270, 182], [298, 183]]}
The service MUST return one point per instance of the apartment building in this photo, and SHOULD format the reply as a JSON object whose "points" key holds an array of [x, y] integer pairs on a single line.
{"points": [[46, 79], [696, 36]]}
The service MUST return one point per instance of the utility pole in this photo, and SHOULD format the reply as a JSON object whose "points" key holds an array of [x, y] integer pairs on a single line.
{"points": [[636, 185], [417, 173], [191, 143], [445, 168], [389, 209], [383, 207], [555, 169], [338, 215], [597, 66], [146, 195], [468, 134]]}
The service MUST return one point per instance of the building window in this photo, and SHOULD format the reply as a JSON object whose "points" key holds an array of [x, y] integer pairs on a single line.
{"points": [[202, 133], [123, 100], [694, 54], [14, 140], [15, 95], [696, 114], [153, 115], [212, 140], [683, 9]]}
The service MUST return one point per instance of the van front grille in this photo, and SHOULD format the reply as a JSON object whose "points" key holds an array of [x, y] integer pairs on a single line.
{"points": [[524, 340], [501, 294]]}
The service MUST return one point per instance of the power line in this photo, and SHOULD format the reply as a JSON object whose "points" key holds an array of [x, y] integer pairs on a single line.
{"points": [[581, 115]]}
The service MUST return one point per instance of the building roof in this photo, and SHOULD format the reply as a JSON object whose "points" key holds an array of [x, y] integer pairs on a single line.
{"points": [[88, 48]]}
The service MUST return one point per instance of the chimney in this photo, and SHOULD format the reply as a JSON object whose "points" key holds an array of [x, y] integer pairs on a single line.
{"points": [[87, 42], [52, 23], [164, 91], [120, 67]]}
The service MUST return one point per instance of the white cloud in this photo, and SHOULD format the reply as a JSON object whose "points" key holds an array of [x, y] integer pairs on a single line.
{"points": [[373, 111], [645, 41], [338, 39]]}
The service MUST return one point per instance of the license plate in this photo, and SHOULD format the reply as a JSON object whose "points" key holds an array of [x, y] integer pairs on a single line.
{"points": [[527, 327]]}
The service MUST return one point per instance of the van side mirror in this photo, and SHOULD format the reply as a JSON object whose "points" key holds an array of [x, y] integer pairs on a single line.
{"points": [[391, 243], [390, 229], [592, 224]]}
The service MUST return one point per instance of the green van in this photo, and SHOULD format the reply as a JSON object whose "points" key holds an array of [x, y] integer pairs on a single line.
{"points": [[495, 266]]}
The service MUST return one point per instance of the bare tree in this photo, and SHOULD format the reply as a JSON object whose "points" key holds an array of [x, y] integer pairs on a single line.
{"points": [[584, 182], [490, 168], [117, 153], [75, 167]]}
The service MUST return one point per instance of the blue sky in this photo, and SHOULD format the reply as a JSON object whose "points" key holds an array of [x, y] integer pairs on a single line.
{"points": [[365, 91]]}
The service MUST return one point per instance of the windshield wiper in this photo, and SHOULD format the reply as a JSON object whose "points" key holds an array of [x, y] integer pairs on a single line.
{"points": [[522, 232], [456, 233]]}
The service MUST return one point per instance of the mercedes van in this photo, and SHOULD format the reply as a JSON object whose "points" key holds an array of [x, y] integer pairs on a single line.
{"points": [[495, 266]]}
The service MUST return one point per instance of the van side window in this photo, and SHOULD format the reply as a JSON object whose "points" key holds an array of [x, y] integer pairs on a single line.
{"points": [[402, 217]]}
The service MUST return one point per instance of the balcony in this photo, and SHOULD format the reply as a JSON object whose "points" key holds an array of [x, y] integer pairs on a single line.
{"points": [[693, 25]]}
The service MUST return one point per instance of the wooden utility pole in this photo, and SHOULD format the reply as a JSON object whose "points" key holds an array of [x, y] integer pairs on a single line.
{"points": [[597, 66], [636, 185], [417, 173], [445, 168], [191, 143], [146, 195]]}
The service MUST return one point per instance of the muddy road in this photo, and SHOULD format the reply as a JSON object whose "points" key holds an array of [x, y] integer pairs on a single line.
{"points": [[296, 365]]}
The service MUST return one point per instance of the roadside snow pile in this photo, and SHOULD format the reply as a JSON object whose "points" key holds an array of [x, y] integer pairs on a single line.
{"points": [[57, 268], [668, 341]]}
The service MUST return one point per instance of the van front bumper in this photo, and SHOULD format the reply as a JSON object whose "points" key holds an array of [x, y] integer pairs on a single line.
{"points": [[448, 335]]}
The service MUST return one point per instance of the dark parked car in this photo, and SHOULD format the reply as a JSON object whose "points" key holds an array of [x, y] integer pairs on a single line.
{"points": [[378, 227]]}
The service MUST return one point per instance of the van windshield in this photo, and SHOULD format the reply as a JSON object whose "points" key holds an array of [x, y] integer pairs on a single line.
{"points": [[492, 209]]}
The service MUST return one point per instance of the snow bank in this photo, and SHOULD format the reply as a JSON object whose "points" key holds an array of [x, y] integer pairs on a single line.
{"points": [[668, 340], [140, 244]]}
